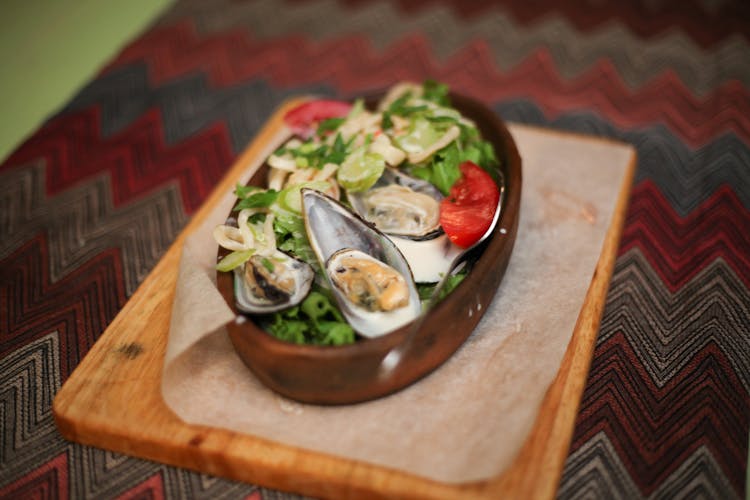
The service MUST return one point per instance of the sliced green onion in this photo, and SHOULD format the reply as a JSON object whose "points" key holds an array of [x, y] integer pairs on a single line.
{"points": [[234, 259], [267, 264], [290, 198]]}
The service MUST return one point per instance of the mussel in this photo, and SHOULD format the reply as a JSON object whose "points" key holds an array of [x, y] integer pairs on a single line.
{"points": [[400, 205], [266, 284], [369, 277]]}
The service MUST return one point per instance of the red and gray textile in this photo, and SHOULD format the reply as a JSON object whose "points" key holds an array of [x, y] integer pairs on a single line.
{"points": [[91, 200]]}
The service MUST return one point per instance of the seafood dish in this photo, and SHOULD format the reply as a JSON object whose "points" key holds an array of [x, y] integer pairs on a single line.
{"points": [[349, 234]]}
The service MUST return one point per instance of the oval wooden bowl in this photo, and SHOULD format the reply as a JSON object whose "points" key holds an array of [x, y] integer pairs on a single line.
{"points": [[346, 374]]}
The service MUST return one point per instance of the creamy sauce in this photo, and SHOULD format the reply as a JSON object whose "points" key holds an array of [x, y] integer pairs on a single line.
{"points": [[429, 260]]}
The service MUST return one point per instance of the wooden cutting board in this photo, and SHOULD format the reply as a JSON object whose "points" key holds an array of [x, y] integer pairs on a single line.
{"points": [[113, 398]]}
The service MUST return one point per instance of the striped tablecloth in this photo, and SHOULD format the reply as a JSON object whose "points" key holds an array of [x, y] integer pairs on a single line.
{"points": [[92, 199]]}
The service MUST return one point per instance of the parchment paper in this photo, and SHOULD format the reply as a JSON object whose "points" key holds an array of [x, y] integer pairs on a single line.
{"points": [[468, 419]]}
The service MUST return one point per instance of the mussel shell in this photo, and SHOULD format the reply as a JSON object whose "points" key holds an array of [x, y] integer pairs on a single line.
{"points": [[395, 176], [332, 227], [250, 303]]}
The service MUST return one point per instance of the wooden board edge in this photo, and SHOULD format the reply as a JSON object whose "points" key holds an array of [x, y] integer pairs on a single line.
{"points": [[537, 469]]}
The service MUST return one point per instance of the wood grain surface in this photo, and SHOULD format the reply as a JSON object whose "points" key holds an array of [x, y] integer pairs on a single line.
{"points": [[113, 398]]}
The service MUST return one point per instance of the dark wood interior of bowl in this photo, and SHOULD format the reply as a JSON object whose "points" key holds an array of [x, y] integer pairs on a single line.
{"points": [[345, 374]]}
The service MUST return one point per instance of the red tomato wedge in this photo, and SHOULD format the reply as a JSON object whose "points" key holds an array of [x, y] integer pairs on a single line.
{"points": [[304, 118], [467, 212]]}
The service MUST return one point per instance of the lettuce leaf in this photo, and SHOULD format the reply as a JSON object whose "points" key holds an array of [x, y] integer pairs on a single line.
{"points": [[257, 199], [315, 321]]}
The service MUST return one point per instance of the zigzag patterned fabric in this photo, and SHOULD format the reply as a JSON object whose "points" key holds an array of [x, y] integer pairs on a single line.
{"points": [[90, 202]]}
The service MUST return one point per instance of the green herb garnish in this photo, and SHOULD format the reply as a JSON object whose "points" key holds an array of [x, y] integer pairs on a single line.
{"points": [[436, 92], [234, 259], [315, 321]]}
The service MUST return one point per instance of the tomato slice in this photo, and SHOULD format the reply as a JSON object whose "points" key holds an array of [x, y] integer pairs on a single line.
{"points": [[304, 118], [467, 212]]}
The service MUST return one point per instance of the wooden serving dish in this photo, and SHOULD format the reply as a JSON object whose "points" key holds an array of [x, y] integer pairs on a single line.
{"points": [[346, 374]]}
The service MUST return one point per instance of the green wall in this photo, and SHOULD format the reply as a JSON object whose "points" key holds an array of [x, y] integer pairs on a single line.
{"points": [[49, 49]]}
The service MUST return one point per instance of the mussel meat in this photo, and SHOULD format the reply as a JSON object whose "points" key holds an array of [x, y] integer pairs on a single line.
{"points": [[265, 284]]}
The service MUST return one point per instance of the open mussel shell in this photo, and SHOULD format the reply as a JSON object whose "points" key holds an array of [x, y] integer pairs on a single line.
{"points": [[333, 230], [265, 285], [400, 205]]}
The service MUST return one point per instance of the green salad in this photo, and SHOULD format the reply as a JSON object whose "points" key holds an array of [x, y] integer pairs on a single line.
{"points": [[346, 151]]}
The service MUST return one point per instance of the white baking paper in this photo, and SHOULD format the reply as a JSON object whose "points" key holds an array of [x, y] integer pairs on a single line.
{"points": [[468, 419]]}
